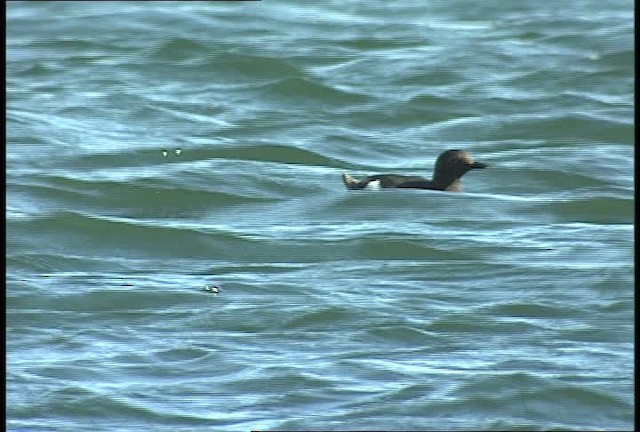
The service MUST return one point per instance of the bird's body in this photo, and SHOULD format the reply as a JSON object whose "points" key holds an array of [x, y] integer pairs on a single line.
{"points": [[450, 166]]}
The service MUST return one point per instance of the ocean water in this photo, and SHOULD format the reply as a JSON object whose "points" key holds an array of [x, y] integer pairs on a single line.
{"points": [[182, 254]]}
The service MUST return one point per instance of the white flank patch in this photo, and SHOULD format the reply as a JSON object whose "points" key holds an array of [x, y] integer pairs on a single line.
{"points": [[373, 185]]}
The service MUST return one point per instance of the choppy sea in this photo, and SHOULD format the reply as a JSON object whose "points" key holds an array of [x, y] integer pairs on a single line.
{"points": [[182, 254]]}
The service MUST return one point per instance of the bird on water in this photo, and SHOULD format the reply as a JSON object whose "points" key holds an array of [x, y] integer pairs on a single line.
{"points": [[451, 165]]}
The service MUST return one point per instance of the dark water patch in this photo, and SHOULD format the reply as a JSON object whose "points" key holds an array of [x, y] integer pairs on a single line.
{"points": [[477, 324], [440, 79], [292, 380], [254, 268], [33, 266], [410, 392], [41, 70], [397, 249], [59, 407], [304, 92], [127, 236], [181, 355], [570, 128], [179, 49], [431, 103], [128, 159], [380, 44], [252, 67], [597, 210], [107, 301], [619, 62], [24, 265], [403, 335], [554, 179], [320, 319], [531, 310], [78, 373], [66, 47], [132, 199], [594, 334], [420, 111], [273, 153]]}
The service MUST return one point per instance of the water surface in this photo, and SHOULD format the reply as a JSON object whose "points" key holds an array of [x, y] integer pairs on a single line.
{"points": [[155, 149]]}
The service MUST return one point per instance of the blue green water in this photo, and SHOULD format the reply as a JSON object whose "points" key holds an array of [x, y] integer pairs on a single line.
{"points": [[158, 148]]}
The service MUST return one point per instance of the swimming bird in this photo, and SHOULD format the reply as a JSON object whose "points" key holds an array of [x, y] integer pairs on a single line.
{"points": [[451, 165]]}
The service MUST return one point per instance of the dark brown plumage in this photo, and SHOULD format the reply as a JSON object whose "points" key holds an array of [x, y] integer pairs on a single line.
{"points": [[450, 166]]}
